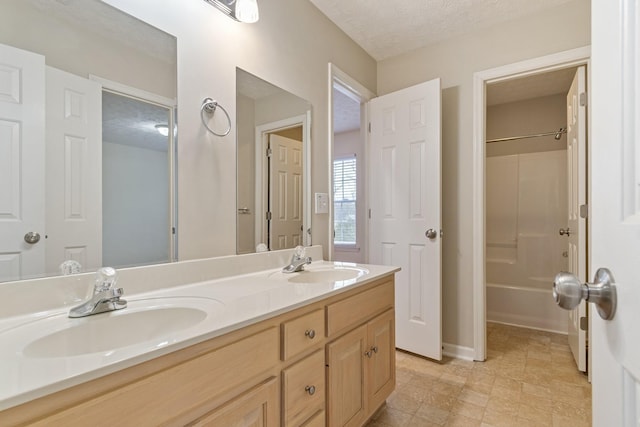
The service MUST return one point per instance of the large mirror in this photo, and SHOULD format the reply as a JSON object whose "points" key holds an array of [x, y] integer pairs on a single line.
{"points": [[87, 139], [273, 149]]}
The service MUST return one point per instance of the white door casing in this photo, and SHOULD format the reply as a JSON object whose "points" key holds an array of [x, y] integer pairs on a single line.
{"points": [[577, 196], [22, 163], [615, 208], [405, 200], [74, 170], [285, 192]]}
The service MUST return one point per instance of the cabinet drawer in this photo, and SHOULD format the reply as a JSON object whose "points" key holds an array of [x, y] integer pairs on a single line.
{"points": [[352, 311], [302, 333], [318, 420], [303, 389]]}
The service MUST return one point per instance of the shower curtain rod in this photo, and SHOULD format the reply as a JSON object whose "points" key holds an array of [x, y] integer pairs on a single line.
{"points": [[556, 134]]}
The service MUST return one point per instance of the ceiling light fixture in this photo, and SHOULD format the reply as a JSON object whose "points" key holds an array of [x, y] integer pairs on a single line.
{"points": [[163, 130], [240, 10]]}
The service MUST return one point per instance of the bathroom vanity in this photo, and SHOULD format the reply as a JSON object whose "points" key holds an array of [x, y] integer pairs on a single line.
{"points": [[313, 348]]}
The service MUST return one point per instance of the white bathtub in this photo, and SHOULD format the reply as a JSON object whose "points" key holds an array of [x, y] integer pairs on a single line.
{"points": [[528, 307]]}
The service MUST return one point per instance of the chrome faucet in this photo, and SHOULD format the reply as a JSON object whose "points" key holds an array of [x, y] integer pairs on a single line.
{"points": [[105, 296], [298, 261]]}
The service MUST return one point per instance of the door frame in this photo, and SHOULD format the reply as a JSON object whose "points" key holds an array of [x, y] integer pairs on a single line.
{"points": [[363, 95], [170, 104], [543, 64], [261, 197]]}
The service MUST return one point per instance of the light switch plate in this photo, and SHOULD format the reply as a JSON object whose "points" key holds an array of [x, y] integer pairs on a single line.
{"points": [[322, 203]]}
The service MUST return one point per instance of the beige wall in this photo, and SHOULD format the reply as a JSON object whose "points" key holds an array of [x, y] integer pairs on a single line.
{"points": [[290, 47], [81, 52], [532, 116], [564, 27]]}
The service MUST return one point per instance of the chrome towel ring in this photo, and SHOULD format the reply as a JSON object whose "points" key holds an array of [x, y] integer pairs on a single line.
{"points": [[209, 106]]}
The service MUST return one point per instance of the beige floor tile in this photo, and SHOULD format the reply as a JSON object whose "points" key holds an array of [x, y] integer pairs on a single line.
{"points": [[525, 370], [392, 417], [468, 410], [432, 413]]}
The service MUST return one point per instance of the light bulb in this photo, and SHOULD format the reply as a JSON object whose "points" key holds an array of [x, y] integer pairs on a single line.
{"points": [[163, 130], [247, 11]]}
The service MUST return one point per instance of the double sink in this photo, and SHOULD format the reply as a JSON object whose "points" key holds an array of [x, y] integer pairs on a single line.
{"points": [[152, 321]]}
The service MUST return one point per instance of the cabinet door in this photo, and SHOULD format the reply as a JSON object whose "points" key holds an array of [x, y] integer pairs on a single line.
{"points": [[381, 375], [346, 375], [257, 407]]}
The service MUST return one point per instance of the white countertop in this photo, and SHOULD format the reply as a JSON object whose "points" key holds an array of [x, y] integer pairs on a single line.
{"points": [[231, 303]]}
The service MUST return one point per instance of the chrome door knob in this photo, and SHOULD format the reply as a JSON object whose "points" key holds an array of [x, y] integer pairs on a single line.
{"points": [[568, 291], [431, 234], [32, 237], [565, 231]]}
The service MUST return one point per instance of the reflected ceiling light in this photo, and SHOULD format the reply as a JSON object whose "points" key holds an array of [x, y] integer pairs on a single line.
{"points": [[240, 10], [163, 130]]}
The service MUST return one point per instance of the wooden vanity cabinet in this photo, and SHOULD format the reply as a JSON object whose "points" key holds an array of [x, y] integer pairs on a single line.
{"points": [[361, 362], [329, 363]]}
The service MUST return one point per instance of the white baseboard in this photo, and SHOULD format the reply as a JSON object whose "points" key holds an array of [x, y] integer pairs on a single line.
{"points": [[458, 351]]}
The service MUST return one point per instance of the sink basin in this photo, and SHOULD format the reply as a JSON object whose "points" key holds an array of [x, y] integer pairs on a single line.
{"points": [[337, 274], [153, 323]]}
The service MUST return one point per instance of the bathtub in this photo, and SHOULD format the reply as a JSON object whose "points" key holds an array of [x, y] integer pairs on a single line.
{"points": [[527, 307]]}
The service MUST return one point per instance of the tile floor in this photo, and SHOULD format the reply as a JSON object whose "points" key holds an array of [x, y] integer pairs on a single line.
{"points": [[529, 379]]}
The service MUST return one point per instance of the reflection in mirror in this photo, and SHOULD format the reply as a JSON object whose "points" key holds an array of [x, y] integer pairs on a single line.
{"points": [[69, 140], [273, 186]]}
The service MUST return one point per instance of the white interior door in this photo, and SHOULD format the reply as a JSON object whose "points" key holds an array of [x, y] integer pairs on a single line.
{"points": [[615, 215], [405, 202], [22, 165], [74, 170], [285, 192], [577, 195]]}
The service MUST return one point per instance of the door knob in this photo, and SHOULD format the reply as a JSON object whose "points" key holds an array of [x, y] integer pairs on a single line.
{"points": [[564, 231], [32, 237], [568, 291], [431, 234]]}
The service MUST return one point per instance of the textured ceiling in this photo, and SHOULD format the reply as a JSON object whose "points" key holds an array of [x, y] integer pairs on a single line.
{"points": [[389, 28], [128, 121]]}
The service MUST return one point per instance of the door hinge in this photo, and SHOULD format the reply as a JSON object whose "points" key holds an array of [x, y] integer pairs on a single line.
{"points": [[269, 152], [584, 323], [173, 230], [369, 213], [583, 99], [584, 211], [268, 216], [369, 127]]}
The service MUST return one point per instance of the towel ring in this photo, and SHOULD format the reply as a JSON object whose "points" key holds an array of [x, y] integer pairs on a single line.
{"points": [[209, 106]]}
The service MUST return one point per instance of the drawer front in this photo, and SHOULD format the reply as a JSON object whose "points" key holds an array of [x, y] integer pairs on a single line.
{"points": [[353, 311], [303, 389], [318, 420], [302, 333]]}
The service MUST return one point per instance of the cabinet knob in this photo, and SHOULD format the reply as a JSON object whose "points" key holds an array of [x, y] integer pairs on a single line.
{"points": [[310, 389], [374, 348], [310, 333], [368, 353]]}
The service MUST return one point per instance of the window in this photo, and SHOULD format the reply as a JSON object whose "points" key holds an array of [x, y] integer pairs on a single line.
{"points": [[344, 201]]}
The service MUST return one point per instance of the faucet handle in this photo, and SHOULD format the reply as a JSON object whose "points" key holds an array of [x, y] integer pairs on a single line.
{"points": [[106, 278], [299, 252]]}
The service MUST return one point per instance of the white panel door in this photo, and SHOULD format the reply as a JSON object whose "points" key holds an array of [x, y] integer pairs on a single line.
{"points": [[22, 165], [615, 214], [285, 192], [577, 196], [74, 170], [406, 202]]}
